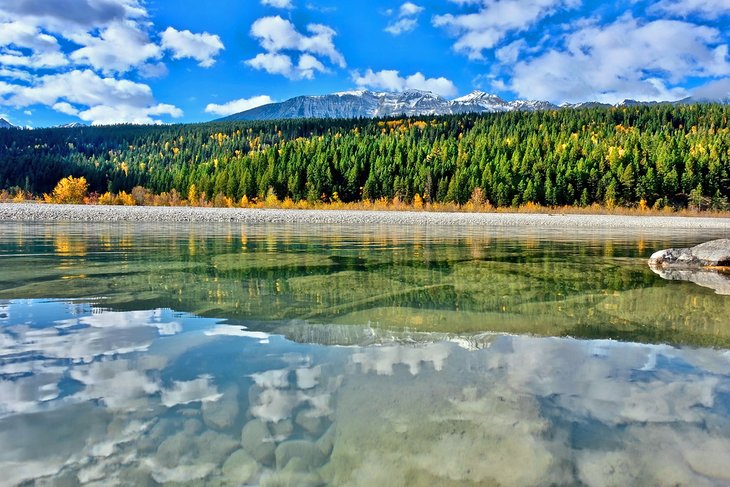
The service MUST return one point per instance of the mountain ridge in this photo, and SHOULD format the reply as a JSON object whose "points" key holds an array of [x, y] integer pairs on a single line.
{"points": [[364, 103], [4, 124]]}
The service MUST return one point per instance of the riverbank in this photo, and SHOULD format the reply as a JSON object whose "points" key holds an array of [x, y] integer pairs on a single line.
{"points": [[85, 213]]}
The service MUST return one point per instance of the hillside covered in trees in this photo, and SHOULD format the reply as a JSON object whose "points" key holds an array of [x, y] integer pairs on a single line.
{"points": [[658, 156]]}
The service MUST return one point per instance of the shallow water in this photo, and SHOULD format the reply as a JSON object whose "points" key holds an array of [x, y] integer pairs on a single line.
{"points": [[290, 355]]}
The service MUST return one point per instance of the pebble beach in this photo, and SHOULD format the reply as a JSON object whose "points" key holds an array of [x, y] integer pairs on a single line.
{"points": [[37, 212]]}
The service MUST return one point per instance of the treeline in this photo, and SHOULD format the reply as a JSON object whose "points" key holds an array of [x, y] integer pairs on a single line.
{"points": [[658, 156]]}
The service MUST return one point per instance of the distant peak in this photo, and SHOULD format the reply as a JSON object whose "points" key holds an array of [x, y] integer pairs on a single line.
{"points": [[480, 95], [360, 92]]}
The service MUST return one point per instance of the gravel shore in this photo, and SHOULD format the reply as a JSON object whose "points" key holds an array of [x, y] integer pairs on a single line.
{"points": [[81, 213]]}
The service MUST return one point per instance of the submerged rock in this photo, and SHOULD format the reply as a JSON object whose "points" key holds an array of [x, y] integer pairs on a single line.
{"points": [[222, 414], [239, 468], [715, 253], [301, 449], [257, 440]]}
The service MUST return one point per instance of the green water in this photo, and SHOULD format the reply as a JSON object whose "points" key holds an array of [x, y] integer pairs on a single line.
{"points": [[294, 355]]}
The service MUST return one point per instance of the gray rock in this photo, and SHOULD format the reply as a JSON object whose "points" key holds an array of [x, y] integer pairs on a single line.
{"points": [[310, 424], [327, 441], [192, 427], [222, 414], [239, 468], [282, 429], [214, 447], [172, 449], [292, 479], [304, 450], [715, 253], [257, 440], [710, 278]]}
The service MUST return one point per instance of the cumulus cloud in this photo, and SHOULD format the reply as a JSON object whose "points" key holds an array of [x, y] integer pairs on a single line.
{"points": [[119, 47], [709, 9], [237, 106], [46, 46], [100, 100], [713, 90], [625, 59], [184, 44], [281, 40], [391, 80], [406, 20], [494, 20], [278, 3], [85, 13]]}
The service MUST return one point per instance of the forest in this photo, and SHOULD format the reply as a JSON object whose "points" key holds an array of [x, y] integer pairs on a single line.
{"points": [[652, 156]]}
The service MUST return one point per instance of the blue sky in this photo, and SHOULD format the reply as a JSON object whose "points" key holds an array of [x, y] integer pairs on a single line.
{"points": [[154, 61]]}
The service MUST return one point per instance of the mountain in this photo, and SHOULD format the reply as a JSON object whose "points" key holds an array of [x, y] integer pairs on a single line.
{"points": [[72, 125], [4, 124], [370, 104]]}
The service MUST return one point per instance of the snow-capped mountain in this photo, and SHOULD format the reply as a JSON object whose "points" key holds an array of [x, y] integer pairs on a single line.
{"points": [[4, 124], [370, 104], [73, 125]]}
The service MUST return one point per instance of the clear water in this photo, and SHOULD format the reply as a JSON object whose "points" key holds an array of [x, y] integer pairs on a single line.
{"points": [[286, 355]]}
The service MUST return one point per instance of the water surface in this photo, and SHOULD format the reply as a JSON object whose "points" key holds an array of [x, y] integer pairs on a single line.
{"points": [[291, 355]]}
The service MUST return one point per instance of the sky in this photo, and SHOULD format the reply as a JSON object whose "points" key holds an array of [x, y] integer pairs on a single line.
{"points": [[180, 61]]}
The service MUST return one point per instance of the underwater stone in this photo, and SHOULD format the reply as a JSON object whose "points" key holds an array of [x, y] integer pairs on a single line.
{"points": [[222, 414], [192, 427], [256, 439], [292, 479], [282, 429], [312, 425], [327, 441], [239, 468], [172, 449], [215, 447], [305, 450]]}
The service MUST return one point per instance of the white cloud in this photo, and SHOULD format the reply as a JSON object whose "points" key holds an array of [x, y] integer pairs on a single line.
{"points": [[65, 107], [119, 47], [278, 3], [15, 74], [410, 8], [494, 20], [401, 26], [112, 37], [279, 37], [272, 63], [625, 59], [91, 97], [713, 90], [391, 80], [201, 47], [406, 20], [709, 9], [237, 106]]}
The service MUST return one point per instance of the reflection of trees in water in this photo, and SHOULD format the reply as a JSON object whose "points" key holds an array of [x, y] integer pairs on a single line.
{"points": [[407, 279]]}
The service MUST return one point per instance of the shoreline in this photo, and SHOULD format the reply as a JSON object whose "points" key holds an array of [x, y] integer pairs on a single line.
{"points": [[41, 212]]}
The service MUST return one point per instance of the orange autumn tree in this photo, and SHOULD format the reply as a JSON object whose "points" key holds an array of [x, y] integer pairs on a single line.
{"points": [[69, 190]]}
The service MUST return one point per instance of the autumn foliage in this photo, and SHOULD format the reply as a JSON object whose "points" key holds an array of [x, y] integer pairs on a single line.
{"points": [[69, 190]]}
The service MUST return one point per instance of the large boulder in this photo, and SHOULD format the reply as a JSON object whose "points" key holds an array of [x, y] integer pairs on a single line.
{"points": [[715, 253], [706, 265]]}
